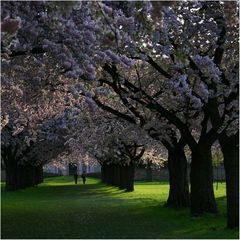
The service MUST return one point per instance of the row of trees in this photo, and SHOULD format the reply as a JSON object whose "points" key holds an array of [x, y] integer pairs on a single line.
{"points": [[202, 86], [168, 68], [31, 129], [119, 150]]}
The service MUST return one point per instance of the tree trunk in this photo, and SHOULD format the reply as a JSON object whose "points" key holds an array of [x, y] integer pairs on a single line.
{"points": [[12, 170], [26, 176], [33, 176], [116, 181], [125, 180], [201, 176], [111, 174], [19, 176], [38, 174], [122, 174], [230, 151], [149, 177], [107, 174], [130, 177], [178, 179], [11, 173], [103, 172]]}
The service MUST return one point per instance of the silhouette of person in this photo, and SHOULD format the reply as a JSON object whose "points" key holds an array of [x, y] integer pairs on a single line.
{"points": [[84, 177], [75, 177]]}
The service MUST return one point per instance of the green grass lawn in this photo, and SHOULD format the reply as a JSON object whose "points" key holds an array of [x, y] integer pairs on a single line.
{"points": [[59, 209]]}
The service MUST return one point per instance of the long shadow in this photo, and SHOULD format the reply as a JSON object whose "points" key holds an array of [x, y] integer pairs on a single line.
{"points": [[132, 213], [221, 198], [97, 189], [86, 190], [92, 191], [152, 183]]}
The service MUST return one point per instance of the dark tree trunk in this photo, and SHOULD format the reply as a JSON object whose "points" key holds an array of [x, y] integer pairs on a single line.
{"points": [[130, 177], [118, 176], [11, 168], [201, 176], [230, 151], [122, 176], [116, 180], [38, 171], [11, 173], [178, 179], [149, 176], [107, 174], [11, 165], [33, 178], [103, 172], [19, 176], [125, 178], [41, 179], [111, 174], [25, 176]]}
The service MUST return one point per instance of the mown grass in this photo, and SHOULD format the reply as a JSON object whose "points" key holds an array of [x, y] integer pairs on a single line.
{"points": [[59, 209]]}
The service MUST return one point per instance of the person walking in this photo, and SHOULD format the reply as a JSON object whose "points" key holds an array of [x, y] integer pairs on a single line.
{"points": [[84, 177], [76, 177]]}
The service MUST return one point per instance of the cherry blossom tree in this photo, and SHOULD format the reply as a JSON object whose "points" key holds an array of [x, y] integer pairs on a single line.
{"points": [[186, 49], [116, 145], [27, 103]]}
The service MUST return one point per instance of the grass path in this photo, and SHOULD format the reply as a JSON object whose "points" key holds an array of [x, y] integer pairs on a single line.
{"points": [[59, 209]]}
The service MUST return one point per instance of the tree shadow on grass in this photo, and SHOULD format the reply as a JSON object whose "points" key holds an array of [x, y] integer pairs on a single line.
{"points": [[94, 191], [96, 206], [152, 182], [57, 191], [97, 189], [179, 223], [223, 198]]}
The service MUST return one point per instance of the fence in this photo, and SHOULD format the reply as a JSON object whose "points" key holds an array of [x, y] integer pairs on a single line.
{"points": [[157, 175], [162, 174]]}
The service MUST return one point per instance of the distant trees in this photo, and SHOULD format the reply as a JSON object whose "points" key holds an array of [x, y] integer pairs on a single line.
{"points": [[116, 145], [30, 130]]}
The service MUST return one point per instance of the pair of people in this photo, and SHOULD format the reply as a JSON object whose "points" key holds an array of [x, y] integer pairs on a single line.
{"points": [[83, 177]]}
